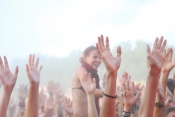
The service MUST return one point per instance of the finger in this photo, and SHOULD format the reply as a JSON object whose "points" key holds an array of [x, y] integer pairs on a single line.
{"points": [[102, 43], [107, 44], [99, 44], [37, 62], [1, 63], [163, 46], [27, 68], [6, 62], [148, 50], [159, 45], [88, 78], [164, 51], [125, 94], [168, 52], [119, 51], [129, 78], [98, 48], [29, 61], [16, 72], [41, 67], [137, 95], [33, 59], [128, 87], [171, 55], [155, 43], [132, 86]]}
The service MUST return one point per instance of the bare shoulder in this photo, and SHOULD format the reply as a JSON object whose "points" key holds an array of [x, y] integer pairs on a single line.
{"points": [[81, 71]]}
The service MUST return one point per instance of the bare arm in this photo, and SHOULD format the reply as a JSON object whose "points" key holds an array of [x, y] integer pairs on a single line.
{"points": [[156, 58], [22, 95], [98, 93], [160, 97], [89, 87], [8, 82], [112, 65], [34, 77], [129, 98]]}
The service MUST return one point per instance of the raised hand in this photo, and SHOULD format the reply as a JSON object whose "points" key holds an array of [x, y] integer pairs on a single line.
{"points": [[33, 72], [7, 78], [22, 92], [157, 56], [68, 106], [51, 88], [112, 63], [49, 106], [88, 85], [168, 64], [128, 95], [42, 98]]}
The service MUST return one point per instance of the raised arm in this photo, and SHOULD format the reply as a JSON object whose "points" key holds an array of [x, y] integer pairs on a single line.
{"points": [[68, 107], [22, 95], [129, 98], [112, 65], [161, 91], [89, 87], [156, 59], [33, 74], [160, 102], [167, 67], [8, 81]]}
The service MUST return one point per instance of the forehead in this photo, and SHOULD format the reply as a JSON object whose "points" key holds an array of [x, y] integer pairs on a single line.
{"points": [[93, 52]]}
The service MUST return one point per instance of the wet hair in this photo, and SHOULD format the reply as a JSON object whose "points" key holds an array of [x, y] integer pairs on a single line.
{"points": [[86, 52], [170, 85]]}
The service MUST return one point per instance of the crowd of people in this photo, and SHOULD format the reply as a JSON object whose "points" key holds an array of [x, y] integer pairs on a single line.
{"points": [[117, 97]]}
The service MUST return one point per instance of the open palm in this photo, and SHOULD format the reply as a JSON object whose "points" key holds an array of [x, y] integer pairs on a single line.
{"points": [[7, 78], [168, 64], [88, 85], [112, 63], [156, 57], [33, 72]]}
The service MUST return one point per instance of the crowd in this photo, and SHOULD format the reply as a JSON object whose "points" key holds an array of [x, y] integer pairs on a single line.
{"points": [[116, 97]]}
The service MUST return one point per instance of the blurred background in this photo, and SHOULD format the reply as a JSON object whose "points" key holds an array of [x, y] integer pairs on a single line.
{"points": [[57, 31]]}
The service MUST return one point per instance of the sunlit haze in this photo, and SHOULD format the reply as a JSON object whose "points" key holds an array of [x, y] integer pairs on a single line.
{"points": [[55, 28]]}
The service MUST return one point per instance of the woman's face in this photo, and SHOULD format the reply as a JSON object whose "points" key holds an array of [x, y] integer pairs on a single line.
{"points": [[93, 59]]}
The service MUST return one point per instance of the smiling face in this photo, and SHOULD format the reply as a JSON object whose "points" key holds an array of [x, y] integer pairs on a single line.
{"points": [[93, 59]]}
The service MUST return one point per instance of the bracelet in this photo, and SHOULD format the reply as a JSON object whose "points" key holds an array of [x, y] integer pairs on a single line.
{"points": [[126, 114], [109, 95], [160, 104]]}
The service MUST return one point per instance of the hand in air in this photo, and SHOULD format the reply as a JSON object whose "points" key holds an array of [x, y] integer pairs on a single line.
{"points": [[111, 63], [33, 72], [8, 79]]}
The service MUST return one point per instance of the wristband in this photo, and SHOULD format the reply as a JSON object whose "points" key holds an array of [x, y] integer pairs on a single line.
{"points": [[126, 114], [159, 104], [109, 95]]}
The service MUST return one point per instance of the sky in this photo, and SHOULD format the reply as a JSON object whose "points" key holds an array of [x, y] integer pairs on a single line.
{"points": [[58, 27]]}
